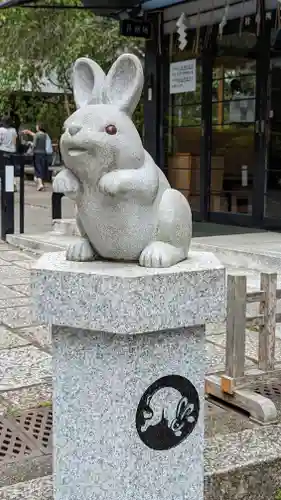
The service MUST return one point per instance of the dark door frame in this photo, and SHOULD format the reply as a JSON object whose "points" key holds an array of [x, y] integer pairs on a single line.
{"points": [[270, 223], [207, 59], [156, 111], [262, 122], [155, 55], [256, 219]]}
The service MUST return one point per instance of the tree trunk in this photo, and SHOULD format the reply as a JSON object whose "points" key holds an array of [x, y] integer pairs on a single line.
{"points": [[66, 105]]}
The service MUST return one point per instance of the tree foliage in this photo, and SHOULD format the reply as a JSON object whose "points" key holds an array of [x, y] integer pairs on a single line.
{"points": [[44, 43]]}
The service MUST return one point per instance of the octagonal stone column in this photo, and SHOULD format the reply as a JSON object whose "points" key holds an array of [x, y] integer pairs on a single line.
{"points": [[128, 371]]}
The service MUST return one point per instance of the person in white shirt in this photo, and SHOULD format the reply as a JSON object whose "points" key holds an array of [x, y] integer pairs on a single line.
{"points": [[8, 136]]}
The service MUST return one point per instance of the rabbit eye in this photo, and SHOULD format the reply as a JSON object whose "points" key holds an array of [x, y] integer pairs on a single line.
{"points": [[111, 129]]}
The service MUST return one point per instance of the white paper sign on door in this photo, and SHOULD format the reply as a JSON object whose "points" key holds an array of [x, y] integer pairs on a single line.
{"points": [[183, 76]]}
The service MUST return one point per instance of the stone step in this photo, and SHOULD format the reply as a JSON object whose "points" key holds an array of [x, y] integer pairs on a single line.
{"points": [[67, 227], [62, 234], [248, 251], [40, 243], [244, 465]]}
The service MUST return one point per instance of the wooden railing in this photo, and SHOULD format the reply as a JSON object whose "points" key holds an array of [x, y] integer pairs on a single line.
{"points": [[234, 384]]}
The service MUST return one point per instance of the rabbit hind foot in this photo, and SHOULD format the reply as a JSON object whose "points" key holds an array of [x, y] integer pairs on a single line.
{"points": [[161, 254], [174, 232], [81, 251]]}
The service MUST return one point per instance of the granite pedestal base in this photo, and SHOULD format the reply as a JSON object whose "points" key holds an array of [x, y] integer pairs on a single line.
{"points": [[128, 347], [99, 381]]}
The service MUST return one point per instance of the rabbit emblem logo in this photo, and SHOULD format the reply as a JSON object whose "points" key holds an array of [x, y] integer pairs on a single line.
{"points": [[167, 413], [126, 209]]}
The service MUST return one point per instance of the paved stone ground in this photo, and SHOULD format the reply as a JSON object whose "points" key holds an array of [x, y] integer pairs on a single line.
{"points": [[25, 346], [38, 211], [37, 489]]}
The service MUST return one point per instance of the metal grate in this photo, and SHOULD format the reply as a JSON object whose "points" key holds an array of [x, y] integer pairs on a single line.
{"points": [[37, 424], [12, 443], [271, 390]]}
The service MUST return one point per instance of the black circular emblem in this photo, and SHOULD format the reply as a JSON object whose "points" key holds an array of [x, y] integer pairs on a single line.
{"points": [[167, 412]]}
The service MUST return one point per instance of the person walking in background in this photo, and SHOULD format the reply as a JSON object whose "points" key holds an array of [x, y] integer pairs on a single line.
{"points": [[8, 138], [39, 154], [49, 152]]}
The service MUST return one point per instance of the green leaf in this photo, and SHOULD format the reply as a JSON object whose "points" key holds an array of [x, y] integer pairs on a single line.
{"points": [[41, 42]]}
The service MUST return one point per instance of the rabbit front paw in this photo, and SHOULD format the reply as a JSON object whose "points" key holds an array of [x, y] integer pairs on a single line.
{"points": [[110, 184], [81, 251], [65, 182]]}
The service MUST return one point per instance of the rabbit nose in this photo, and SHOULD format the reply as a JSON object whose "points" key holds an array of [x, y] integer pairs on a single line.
{"points": [[74, 130]]}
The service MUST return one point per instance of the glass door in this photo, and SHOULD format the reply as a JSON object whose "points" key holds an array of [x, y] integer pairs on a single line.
{"points": [[233, 129], [272, 195], [184, 123]]}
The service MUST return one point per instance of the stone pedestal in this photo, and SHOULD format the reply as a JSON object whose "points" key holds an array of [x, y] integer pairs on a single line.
{"points": [[128, 347]]}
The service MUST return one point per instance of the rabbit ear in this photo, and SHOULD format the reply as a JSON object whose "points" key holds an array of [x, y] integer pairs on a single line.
{"points": [[184, 408], [124, 83], [88, 81]]}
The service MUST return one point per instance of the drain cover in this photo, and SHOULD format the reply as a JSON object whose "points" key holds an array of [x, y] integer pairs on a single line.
{"points": [[37, 424], [12, 444], [271, 390], [29, 434]]}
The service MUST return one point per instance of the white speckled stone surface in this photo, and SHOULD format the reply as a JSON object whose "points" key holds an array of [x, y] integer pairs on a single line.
{"points": [[99, 380], [117, 329], [126, 298]]}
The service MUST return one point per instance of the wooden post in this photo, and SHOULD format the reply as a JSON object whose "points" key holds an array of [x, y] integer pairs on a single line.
{"points": [[236, 325], [267, 330]]}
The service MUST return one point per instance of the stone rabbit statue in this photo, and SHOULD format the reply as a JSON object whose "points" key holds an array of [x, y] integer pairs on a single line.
{"points": [[126, 209]]}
